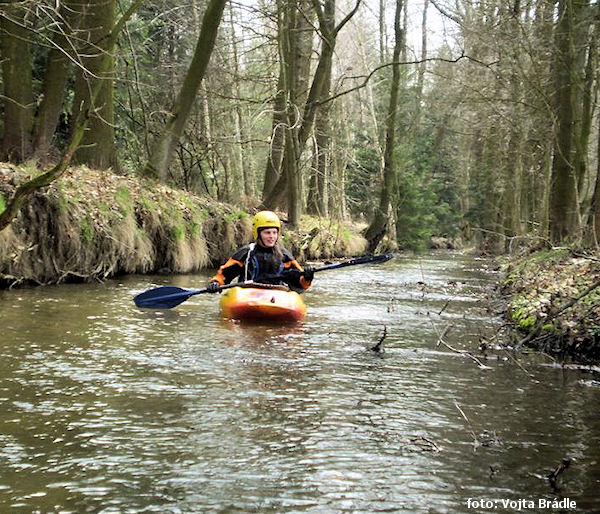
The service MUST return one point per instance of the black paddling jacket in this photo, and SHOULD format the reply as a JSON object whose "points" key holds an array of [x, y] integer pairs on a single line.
{"points": [[253, 262]]}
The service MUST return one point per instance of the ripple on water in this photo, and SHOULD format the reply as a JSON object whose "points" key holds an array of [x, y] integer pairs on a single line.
{"points": [[106, 407]]}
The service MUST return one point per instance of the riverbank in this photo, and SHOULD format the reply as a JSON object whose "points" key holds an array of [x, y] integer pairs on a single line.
{"points": [[553, 302], [92, 225]]}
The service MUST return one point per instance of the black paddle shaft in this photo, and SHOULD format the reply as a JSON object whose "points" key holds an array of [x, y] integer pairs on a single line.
{"points": [[373, 259], [367, 259]]}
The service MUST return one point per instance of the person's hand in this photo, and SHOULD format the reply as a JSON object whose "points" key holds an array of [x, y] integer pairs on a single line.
{"points": [[213, 287], [292, 274], [308, 273]]}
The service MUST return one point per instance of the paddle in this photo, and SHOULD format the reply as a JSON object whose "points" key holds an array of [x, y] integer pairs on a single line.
{"points": [[167, 297]]}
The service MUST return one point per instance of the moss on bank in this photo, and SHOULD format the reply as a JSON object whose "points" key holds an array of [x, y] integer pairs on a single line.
{"points": [[554, 302], [92, 225]]}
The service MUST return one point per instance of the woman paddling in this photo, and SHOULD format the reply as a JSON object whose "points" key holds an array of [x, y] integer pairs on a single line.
{"points": [[264, 261]]}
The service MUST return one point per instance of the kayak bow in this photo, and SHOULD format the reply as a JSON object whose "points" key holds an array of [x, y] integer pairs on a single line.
{"points": [[263, 304]]}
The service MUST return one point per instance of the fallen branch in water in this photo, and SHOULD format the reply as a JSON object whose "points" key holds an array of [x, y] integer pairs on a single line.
{"points": [[512, 357], [424, 444], [464, 352], [444, 307], [378, 347], [485, 439], [470, 427], [557, 471], [552, 477], [455, 350]]}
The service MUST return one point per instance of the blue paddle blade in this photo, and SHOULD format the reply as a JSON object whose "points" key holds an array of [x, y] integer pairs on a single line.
{"points": [[164, 297]]}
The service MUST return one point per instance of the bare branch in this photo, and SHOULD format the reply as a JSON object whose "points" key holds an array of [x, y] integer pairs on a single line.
{"points": [[368, 77]]}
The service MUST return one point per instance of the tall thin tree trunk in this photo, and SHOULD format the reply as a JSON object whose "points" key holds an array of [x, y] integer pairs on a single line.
{"points": [[163, 148], [593, 219], [422, 67], [564, 209], [277, 142], [243, 159], [18, 86], [378, 226], [97, 148], [54, 85]]}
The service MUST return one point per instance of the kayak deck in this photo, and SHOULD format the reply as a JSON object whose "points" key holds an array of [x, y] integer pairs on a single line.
{"points": [[264, 304]]}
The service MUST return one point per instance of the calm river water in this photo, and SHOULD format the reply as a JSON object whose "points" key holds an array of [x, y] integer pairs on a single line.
{"points": [[108, 408]]}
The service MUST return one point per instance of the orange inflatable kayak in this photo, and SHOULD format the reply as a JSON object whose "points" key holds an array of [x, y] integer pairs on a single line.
{"points": [[275, 303]]}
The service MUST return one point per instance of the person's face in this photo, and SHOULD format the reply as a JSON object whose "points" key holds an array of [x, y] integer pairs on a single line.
{"points": [[269, 237]]}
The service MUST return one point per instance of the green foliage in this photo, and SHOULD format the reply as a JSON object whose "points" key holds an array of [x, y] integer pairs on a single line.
{"points": [[124, 199], [362, 174], [2, 203], [522, 315], [415, 219], [427, 200], [86, 231], [179, 232]]}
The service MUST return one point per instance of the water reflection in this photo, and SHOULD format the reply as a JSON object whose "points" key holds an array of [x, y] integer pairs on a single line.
{"points": [[105, 407]]}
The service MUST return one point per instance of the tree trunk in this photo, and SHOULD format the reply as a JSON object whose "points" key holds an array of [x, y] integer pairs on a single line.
{"points": [[422, 67], [295, 48], [513, 163], [54, 85], [97, 148], [593, 220], [244, 162], [18, 87], [564, 210], [163, 148], [587, 111], [277, 143], [378, 227], [317, 200], [317, 203], [300, 130]]}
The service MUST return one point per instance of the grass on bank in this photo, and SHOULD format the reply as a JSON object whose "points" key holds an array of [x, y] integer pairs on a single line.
{"points": [[91, 225], [554, 301]]}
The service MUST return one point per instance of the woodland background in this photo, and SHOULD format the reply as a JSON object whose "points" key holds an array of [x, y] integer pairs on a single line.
{"points": [[475, 119]]}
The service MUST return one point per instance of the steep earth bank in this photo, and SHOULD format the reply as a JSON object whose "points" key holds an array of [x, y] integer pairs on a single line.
{"points": [[91, 225], [553, 300]]}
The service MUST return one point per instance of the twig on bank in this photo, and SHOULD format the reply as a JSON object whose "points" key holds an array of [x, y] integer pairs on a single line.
{"points": [[573, 301], [567, 305]]}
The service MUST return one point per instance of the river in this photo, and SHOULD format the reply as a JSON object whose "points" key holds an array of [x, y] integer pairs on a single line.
{"points": [[108, 408]]}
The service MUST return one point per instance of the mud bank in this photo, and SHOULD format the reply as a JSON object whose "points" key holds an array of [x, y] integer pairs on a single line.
{"points": [[553, 302], [92, 225]]}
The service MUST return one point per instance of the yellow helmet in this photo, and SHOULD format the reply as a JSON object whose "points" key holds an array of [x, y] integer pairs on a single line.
{"points": [[265, 219]]}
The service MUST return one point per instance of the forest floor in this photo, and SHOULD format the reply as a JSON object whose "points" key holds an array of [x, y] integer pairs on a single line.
{"points": [[553, 301]]}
